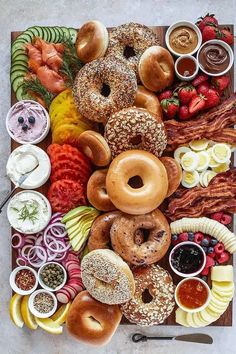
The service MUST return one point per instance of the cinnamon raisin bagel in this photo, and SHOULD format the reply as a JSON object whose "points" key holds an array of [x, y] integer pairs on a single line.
{"points": [[129, 41], [102, 87], [152, 249]]}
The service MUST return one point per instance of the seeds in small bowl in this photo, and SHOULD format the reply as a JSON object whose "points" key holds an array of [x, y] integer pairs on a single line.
{"points": [[42, 303], [52, 276]]}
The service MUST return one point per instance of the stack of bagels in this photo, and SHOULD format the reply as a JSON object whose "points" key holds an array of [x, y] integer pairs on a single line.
{"points": [[124, 68]]}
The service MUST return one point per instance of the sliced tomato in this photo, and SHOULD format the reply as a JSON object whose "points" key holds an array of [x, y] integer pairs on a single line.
{"points": [[70, 156], [65, 195], [69, 174], [53, 149]]}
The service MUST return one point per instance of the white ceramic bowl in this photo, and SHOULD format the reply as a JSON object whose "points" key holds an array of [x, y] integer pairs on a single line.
{"points": [[44, 286], [43, 225], [44, 134], [186, 78], [13, 283], [180, 24], [33, 309], [183, 275], [198, 308], [224, 45]]}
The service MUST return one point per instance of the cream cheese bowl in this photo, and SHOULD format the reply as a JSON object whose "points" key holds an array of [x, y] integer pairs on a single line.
{"points": [[29, 212], [23, 160]]}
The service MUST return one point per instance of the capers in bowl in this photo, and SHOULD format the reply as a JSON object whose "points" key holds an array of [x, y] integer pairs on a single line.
{"points": [[52, 276]]}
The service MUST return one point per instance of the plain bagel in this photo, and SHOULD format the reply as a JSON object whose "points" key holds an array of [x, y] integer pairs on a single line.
{"points": [[149, 101], [92, 41], [92, 322], [174, 173], [156, 68]]}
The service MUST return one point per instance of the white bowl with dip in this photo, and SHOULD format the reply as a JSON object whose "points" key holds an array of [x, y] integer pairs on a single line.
{"points": [[29, 212], [27, 158], [226, 47], [190, 77], [37, 131], [186, 24], [33, 308]]}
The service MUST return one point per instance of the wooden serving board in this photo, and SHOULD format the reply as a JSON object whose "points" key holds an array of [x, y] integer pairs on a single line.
{"points": [[226, 318]]}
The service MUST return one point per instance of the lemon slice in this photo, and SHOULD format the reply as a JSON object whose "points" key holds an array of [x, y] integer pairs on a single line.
{"points": [[59, 317], [190, 179], [27, 316], [199, 145], [189, 161], [15, 311], [49, 325], [204, 160], [206, 177], [223, 167], [178, 154], [221, 153]]}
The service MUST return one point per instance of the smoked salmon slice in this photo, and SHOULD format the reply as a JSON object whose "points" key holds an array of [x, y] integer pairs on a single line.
{"points": [[50, 55], [34, 54], [51, 80]]}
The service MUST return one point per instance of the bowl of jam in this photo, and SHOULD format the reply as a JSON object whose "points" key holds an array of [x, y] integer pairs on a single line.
{"points": [[186, 67], [192, 294], [187, 259]]}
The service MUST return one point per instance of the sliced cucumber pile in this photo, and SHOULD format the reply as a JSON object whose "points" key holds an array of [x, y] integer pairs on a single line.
{"points": [[19, 59]]}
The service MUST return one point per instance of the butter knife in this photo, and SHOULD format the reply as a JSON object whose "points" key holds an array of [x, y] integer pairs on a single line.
{"points": [[194, 338]]}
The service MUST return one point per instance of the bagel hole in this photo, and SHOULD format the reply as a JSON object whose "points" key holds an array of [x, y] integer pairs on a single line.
{"points": [[88, 152], [94, 320], [135, 182], [129, 52], [105, 90], [136, 140], [146, 296]]}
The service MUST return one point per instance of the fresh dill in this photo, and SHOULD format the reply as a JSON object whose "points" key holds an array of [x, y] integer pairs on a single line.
{"points": [[35, 86], [29, 212]]}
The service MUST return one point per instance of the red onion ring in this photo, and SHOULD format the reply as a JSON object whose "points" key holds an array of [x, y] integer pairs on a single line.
{"points": [[20, 261], [20, 243], [43, 260]]}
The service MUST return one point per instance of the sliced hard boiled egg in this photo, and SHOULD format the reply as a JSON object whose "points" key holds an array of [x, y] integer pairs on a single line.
{"points": [[189, 161], [221, 152], [212, 162], [223, 167], [190, 179], [233, 148], [199, 145], [204, 160], [206, 177], [180, 151]]}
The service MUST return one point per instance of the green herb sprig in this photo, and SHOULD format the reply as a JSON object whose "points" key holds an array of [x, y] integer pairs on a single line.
{"points": [[25, 212], [35, 85]]}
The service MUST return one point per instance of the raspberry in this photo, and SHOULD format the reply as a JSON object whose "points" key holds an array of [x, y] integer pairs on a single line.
{"points": [[219, 248], [222, 257], [217, 216], [209, 262], [183, 237], [198, 237], [226, 219], [205, 271]]}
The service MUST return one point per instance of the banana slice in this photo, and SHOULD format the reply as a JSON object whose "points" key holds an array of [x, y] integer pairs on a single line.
{"points": [[221, 153], [180, 151], [189, 161], [204, 160], [190, 179], [223, 167], [212, 162], [190, 321], [199, 145], [206, 177], [222, 273]]}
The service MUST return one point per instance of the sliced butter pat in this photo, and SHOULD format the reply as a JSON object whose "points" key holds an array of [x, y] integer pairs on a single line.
{"points": [[222, 273], [199, 145], [221, 153], [178, 154], [189, 161], [190, 179], [204, 160]]}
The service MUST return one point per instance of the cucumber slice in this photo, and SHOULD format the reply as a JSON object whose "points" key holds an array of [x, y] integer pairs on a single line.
{"points": [[29, 34], [20, 63], [48, 34], [20, 95], [21, 57], [34, 31], [73, 34], [66, 33], [52, 34], [57, 35], [18, 44], [17, 67], [45, 33], [61, 33], [39, 29], [18, 81], [25, 36], [16, 74], [16, 53]]}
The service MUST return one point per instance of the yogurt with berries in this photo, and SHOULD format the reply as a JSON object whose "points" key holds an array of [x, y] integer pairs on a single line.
{"points": [[27, 122]]}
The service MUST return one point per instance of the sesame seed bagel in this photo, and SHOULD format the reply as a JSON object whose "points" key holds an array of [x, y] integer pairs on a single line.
{"points": [[103, 87], [155, 246], [107, 277], [135, 128], [129, 41], [158, 282]]}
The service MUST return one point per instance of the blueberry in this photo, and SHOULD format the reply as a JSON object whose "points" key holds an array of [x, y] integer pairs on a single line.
{"points": [[210, 250], [205, 242], [174, 237], [213, 242], [204, 278], [25, 127], [191, 236], [31, 120], [204, 249], [21, 120]]}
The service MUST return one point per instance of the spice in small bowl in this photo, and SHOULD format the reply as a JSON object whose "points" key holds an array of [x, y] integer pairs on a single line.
{"points": [[42, 303], [23, 280], [52, 276]]}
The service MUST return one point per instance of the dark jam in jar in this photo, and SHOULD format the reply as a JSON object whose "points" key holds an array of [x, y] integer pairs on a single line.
{"points": [[186, 67], [192, 293], [187, 259]]}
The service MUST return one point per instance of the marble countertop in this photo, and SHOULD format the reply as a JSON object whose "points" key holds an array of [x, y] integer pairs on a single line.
{"points": [[18, 15]]}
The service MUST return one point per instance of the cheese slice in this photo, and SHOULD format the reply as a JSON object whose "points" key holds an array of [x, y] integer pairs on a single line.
{"points": [[190, 321], [222, 273], [180, 317]]}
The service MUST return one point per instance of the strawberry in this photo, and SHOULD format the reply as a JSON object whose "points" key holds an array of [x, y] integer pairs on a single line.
{"points": [[210, 32], [203, 88], [221, 82], [212, 98], [206, 20], [185, 94], [165, 94], [209, 262], [184, 113], [199, 79], [170, 107], [196, 104], [227, 36], [205, 271]]}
